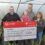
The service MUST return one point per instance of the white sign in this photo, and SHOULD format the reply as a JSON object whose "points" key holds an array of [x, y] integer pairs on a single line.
{"points": [[19, 33]]}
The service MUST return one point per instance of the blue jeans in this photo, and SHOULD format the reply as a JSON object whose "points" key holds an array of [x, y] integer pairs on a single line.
{"points": [[39, 36]]}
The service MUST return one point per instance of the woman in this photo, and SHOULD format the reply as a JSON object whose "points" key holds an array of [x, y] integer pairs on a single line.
{"points": [[40, 26]]}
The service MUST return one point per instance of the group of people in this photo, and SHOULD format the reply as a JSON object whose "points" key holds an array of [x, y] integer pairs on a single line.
{"points": [[28, 15]]}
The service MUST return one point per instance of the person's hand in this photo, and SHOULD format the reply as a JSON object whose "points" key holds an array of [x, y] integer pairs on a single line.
{"points": [[21, 20], [17, 20]]}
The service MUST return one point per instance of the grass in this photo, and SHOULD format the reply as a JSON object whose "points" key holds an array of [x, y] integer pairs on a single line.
{"points": [[43, 40]]}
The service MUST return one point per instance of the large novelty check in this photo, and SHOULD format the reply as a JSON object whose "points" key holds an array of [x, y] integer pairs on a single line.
{"points": [[19, 30]]}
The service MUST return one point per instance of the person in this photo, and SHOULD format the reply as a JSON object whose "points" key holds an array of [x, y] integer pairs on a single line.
{"points": [[30, 11], [11, 16], [31, 15], [25, 17], [40, 26], [28, 16]]}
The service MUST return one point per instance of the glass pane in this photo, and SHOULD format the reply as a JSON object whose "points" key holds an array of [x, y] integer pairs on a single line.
{"points": [[13, 1], [33, 1], [26, 0], [23, 1], [42, 9]]}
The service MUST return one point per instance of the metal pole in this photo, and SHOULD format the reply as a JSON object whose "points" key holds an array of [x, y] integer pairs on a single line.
{"points": [[41, 7], [18, 5]]}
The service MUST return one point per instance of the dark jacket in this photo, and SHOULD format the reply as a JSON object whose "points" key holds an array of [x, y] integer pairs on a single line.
{"points": [[10, 17], [40, 24]]}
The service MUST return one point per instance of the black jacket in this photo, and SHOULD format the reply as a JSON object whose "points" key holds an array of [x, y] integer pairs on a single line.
{"points": [[10, 17]]}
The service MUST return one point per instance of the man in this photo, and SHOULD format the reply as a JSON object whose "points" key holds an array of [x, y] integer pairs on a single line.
{"points": [[30, 11], [31, 16], [10, 16]]}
